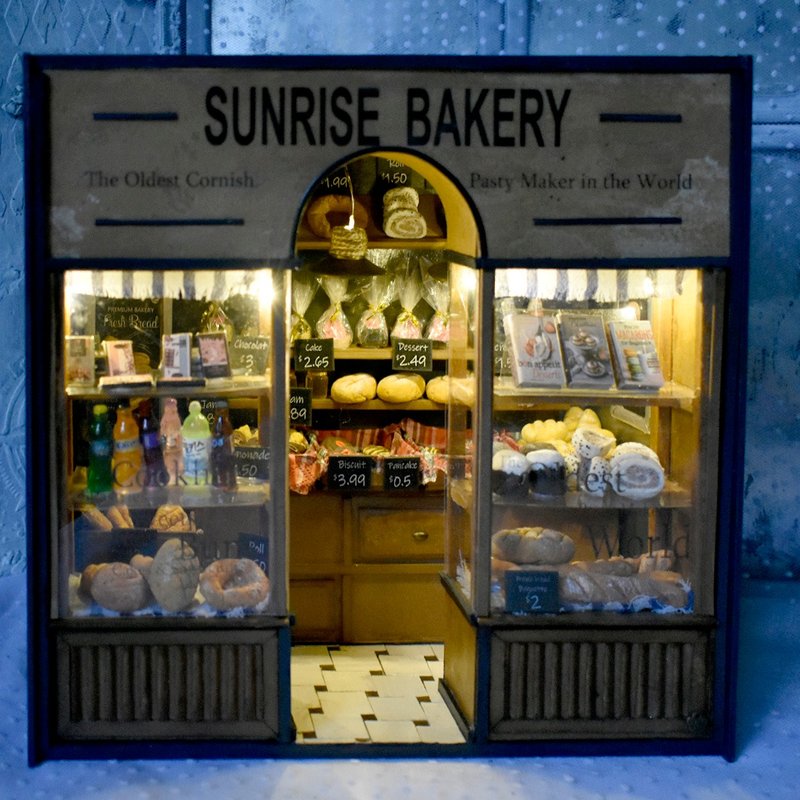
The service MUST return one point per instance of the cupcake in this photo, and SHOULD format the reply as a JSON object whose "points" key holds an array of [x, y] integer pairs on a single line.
{"points": [[509, 473], [548, 474]]}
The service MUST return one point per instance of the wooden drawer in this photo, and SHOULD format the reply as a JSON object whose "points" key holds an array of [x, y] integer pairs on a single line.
{"points": [[394, 608], [398, 534], [315, 528]]}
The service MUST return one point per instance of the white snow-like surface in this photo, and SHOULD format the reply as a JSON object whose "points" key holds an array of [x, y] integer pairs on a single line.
{"points": [[768, 765]]}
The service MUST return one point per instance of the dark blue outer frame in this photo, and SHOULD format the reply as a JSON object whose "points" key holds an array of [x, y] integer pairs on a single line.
{"points": [[42, 744]]}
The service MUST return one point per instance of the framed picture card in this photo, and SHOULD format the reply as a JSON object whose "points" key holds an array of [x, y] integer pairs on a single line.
{"points": [[176, 355], [119, 355], [214, 354], [79, 369]]}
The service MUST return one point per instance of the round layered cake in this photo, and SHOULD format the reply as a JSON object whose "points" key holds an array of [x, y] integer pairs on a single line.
{"points": [[510, 473]]}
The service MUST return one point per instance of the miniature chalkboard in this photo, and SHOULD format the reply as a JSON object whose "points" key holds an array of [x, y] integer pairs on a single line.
{"points": [[350, 473], [313, 354], [400, 473], [299, 406], [531, 592], [256, 548], [412, 354], [252, 462], [249, 354]]}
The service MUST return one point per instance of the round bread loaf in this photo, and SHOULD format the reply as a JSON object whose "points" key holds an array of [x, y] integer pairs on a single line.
{"points": [[357, 388], [532, 546], [120, 587], [438, 389], [401, 387]]}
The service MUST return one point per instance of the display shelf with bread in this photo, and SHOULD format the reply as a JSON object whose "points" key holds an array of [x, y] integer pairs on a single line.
{"points": [[169, 502], [583, 503]]}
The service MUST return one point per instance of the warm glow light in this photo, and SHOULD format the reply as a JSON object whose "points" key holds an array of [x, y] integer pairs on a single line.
{"points": [[262, 287]]}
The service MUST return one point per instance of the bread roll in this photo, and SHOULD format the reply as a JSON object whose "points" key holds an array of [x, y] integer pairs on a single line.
{"points": [[357, 388], [401, 387]]}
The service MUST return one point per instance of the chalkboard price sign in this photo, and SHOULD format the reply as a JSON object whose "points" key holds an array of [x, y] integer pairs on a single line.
{"points": [[531, 592], [400, 473], [313, 354], [249, 354], [350, 473], [256, 548], [412, 354], [252, 463], [299, 406]]}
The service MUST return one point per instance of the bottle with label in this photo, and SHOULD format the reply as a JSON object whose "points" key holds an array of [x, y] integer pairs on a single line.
{"points": [[155, 473], [171, 440], [223, 462], [126, 462], [196, 446], [100, 479]]}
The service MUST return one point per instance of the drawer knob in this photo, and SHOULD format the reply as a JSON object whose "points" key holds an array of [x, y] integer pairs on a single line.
{"points": [[420, 536]]}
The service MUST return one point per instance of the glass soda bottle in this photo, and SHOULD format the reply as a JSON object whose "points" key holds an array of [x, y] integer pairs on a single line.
{"points": [[223, 462], [126, 461], [100, 479], [172, 440], [155, 473], [196, 446]]}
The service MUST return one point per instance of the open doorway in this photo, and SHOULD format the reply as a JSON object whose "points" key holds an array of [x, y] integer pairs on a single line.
{"points": [[368, 449]]}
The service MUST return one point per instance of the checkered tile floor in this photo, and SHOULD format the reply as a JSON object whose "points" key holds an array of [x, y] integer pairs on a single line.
{"points": [[370, 693]]}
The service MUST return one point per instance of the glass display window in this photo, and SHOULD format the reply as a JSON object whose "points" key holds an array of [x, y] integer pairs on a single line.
{"points": [[167, 505], [589, 483]]}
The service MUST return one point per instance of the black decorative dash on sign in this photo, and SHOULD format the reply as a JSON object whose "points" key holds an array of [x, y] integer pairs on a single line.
{"points": [[105, 222], [578, 221], [669, 118], [133, 116]]}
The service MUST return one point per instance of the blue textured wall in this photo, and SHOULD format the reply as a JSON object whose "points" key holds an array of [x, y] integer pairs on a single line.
{"points": [[767, 29]]}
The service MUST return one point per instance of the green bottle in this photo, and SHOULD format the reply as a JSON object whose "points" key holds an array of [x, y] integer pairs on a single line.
{"points": [[100, 478]]}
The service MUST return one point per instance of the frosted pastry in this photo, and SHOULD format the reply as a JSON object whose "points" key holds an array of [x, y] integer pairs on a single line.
{"points": [[597, 476], [405, 223], [510, 470], [635, 474], [548, 476]]}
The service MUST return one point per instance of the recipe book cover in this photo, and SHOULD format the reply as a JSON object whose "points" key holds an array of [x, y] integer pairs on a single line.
{"points": [[533, 348], [587, 360], [635, 354]]}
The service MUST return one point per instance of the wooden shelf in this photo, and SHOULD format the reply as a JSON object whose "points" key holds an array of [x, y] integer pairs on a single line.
{"points": [[508, 397], [324, 404], [672, 496], [246, 494], [218, 387]]}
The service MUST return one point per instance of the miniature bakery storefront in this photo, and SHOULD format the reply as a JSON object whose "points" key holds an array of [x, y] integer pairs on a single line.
{"points": [[344, 352]]}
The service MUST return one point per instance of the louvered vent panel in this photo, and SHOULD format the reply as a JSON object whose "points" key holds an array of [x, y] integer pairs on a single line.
{"points": [[642, 683], [139, 689]]}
